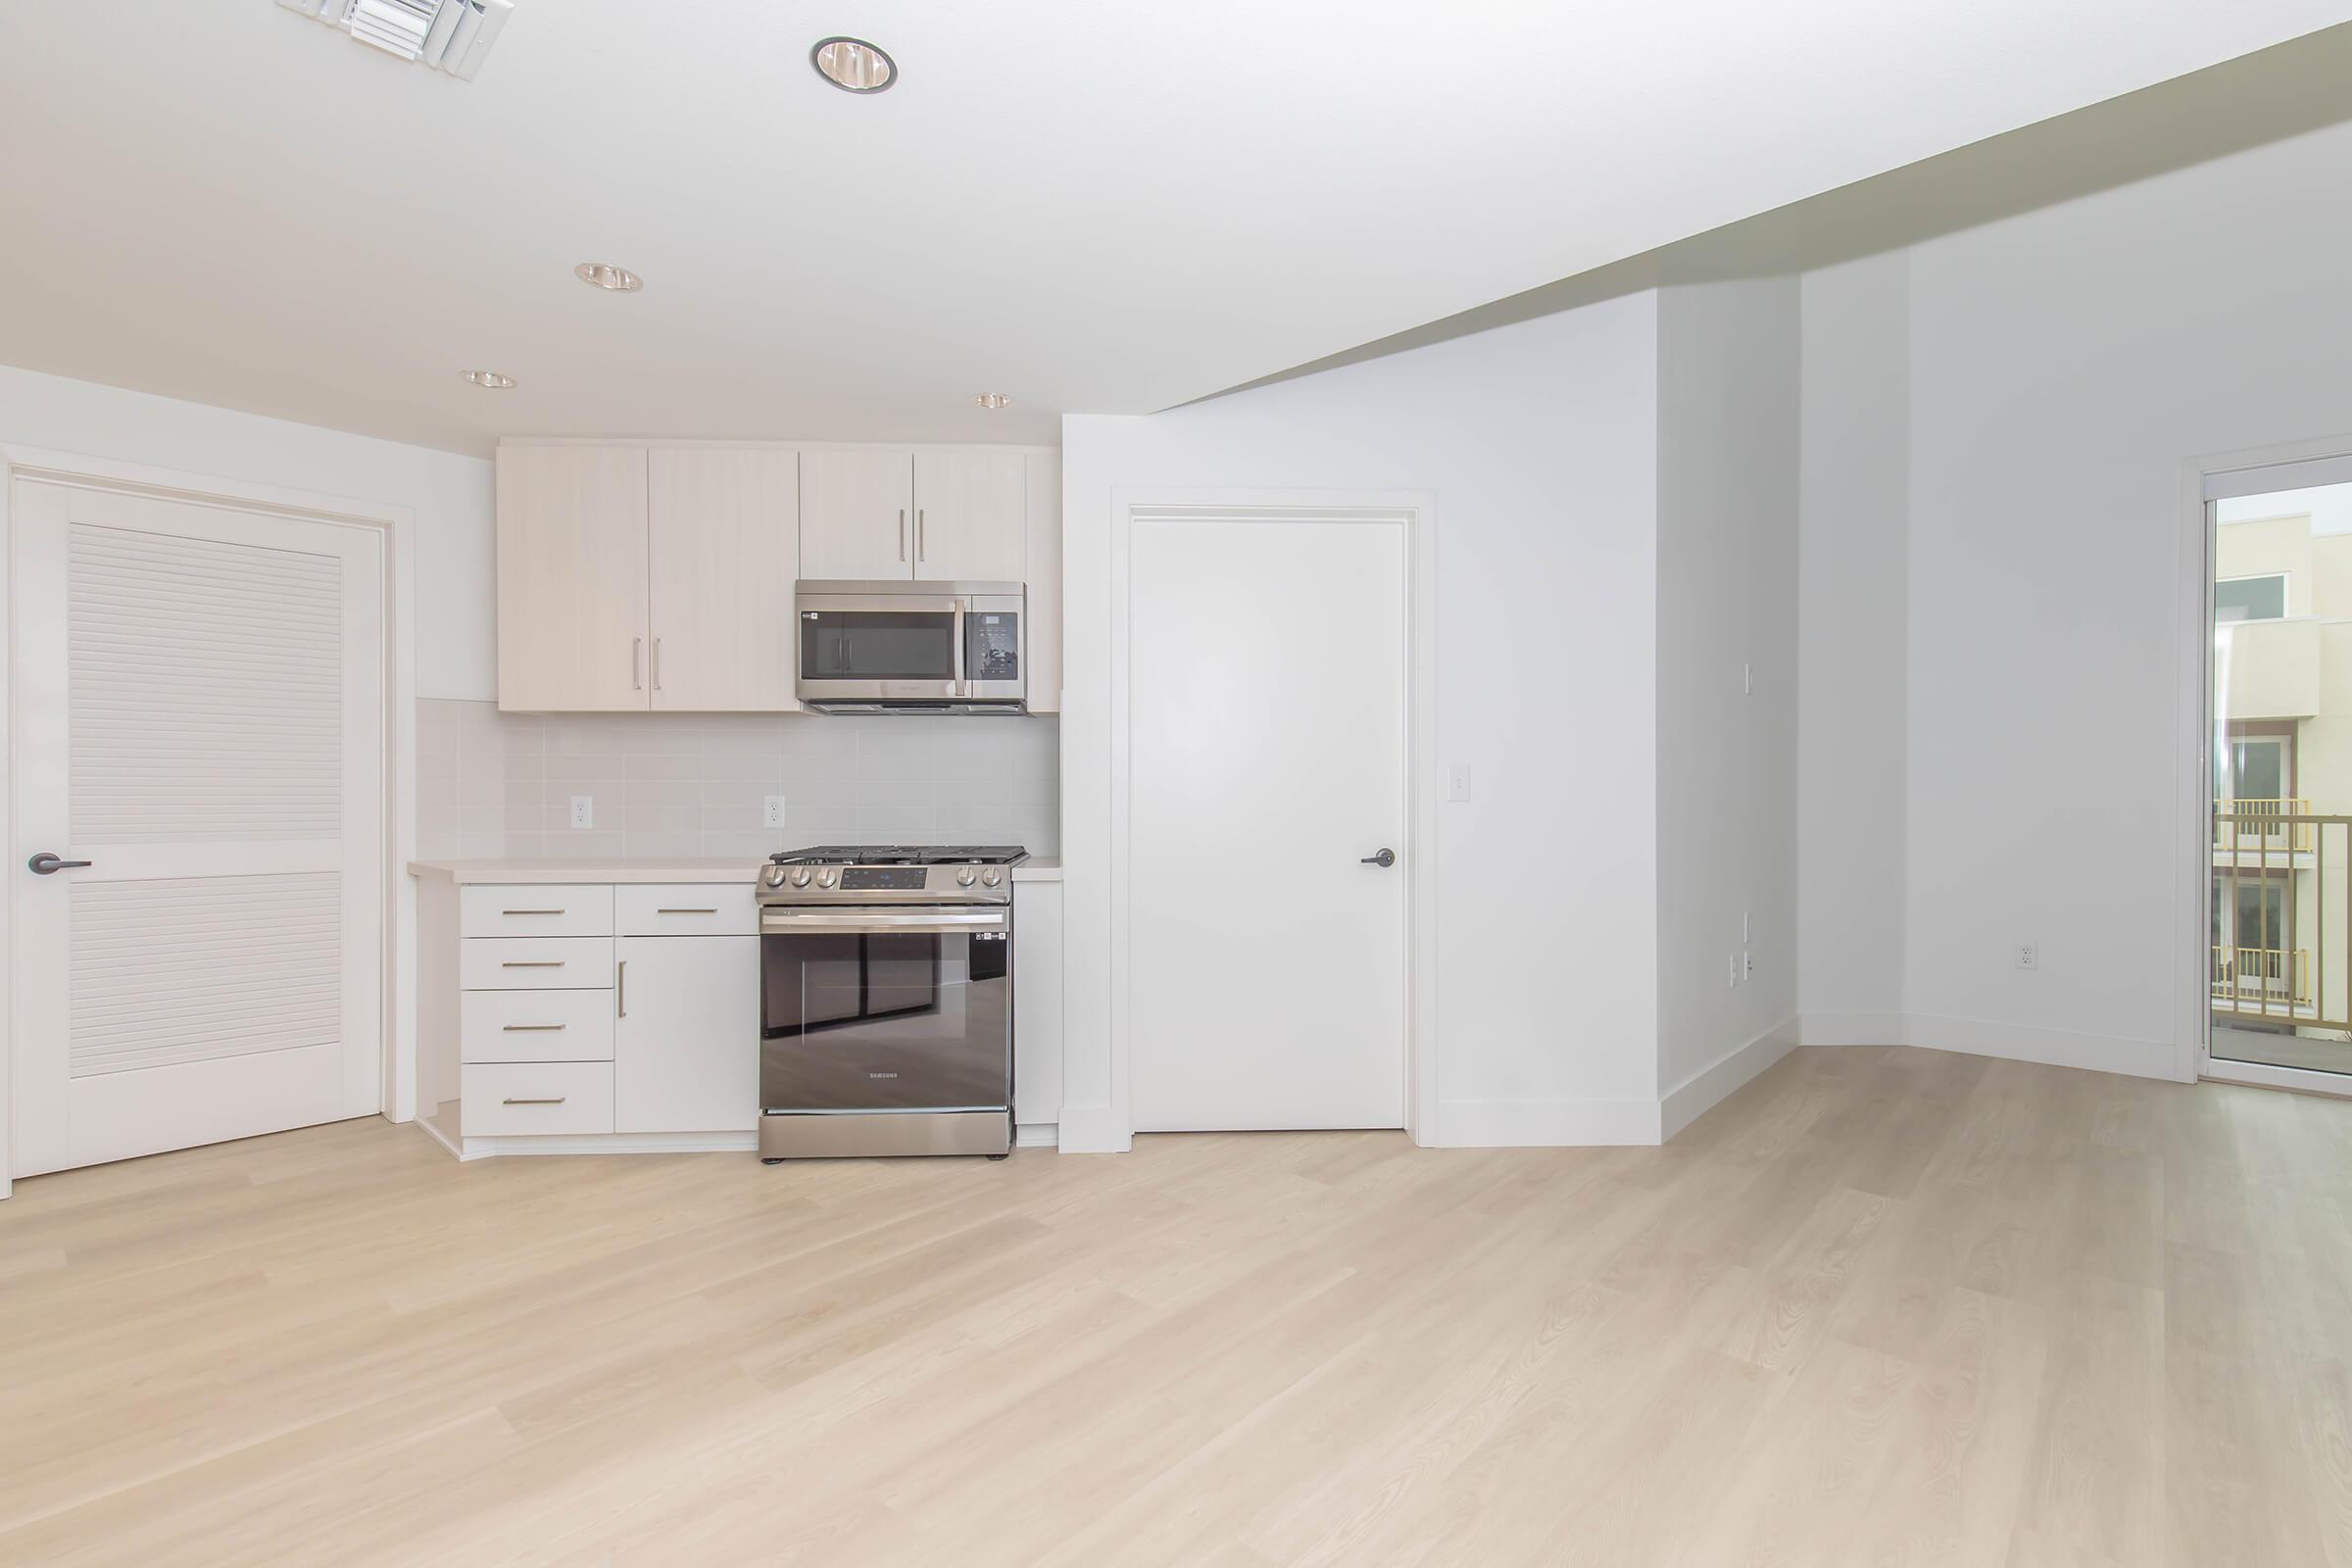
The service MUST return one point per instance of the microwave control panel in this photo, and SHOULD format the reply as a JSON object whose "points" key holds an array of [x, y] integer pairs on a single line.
{"points": [[993, 646]]}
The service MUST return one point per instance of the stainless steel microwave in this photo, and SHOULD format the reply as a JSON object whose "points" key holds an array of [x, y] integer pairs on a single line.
{"points": [[912, 647]]}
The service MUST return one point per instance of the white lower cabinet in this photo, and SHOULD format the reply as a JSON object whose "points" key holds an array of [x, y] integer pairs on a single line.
{"points": [[686, 1034], [526, 1098]]}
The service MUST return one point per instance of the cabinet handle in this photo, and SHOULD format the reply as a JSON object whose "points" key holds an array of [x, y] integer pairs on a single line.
{"points": [[544, 1100], [531, 911], [919, 549], [656, 663], [533, 964], [901, 533], [530, 1028], [636, 664], [620, 990], [685, 911]]}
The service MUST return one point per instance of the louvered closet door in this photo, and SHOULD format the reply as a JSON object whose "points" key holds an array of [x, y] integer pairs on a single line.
{"points": [[199, 701]]}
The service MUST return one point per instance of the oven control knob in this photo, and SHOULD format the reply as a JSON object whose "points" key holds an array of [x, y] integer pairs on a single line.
{"points": [[991, 876], [965, 877], [776, 876], [824, 878], [800, 876]]}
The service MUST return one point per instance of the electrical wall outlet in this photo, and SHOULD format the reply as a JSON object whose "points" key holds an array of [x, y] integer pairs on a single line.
{"points": [[583, 810], [2026, 955], [1747, 964], [776, 812]]}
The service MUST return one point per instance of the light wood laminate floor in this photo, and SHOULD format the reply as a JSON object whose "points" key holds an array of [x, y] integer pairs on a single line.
{"points": [[1883, 1306]]}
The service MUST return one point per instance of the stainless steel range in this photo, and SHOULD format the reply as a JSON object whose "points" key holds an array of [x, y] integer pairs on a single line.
{"points": [[886, 1000]]}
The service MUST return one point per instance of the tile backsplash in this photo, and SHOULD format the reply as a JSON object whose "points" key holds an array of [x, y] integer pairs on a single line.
{"points": [[697, 784]]}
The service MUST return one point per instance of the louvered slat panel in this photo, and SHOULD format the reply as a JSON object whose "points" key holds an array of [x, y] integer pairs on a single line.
{"points": [[202, 968], [206, 690]]}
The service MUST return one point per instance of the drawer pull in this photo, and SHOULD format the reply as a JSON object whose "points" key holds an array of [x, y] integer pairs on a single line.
{"points": [[531, 911], [525, 1028], [532, 964], [549, 1099], [620, 990], [685, 911]]}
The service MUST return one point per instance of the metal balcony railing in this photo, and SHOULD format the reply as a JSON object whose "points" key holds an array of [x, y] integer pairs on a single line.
{"points": [[2288, 956], [2265, 977], [2242, 826]]}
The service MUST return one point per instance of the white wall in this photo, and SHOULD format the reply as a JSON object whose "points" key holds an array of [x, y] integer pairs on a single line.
{"points": [[1538, 442], [2062, 365], [1853, 645], [1727, 595], [451, 495]]}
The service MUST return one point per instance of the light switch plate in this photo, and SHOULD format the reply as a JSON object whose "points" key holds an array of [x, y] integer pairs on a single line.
{"points": [[1457, 782]]}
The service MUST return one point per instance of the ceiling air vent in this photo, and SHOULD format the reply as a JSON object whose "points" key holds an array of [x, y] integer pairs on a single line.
{"points": [[451, 36]]}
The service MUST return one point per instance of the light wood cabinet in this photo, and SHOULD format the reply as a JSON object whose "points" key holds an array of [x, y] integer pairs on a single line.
{"points": [[858, 512], [650, 576], [724, 530], [970, 516], [573, 616]]}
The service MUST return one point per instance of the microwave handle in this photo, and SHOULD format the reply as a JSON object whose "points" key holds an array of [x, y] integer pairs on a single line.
{"points": [[961, 688]]}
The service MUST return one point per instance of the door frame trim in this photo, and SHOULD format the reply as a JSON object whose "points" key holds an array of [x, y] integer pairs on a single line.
{"points": [[397, 1041], [2192, 855], [1416, 510]]}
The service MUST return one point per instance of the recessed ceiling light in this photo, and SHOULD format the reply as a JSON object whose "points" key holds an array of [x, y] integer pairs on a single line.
{"points": [[604, 274], [491, 379], [853, 65], [992, 400]]}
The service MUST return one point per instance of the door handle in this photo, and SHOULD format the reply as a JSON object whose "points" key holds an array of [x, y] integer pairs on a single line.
{"points": [[48, 864], [1384, 860]]}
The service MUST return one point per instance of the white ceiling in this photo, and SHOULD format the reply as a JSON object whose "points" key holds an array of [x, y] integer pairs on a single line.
{"points": [[1096, 207]]}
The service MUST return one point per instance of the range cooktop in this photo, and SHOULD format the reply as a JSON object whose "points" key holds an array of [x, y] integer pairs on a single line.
{"points": [[904, 854]]}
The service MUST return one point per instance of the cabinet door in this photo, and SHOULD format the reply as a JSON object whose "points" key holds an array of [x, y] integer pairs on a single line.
{"points": [[572, 621], [686, 1035], [971, 517], [857, 514], [725, 528]]}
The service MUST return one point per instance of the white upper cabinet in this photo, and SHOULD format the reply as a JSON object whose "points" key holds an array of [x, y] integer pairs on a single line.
{"points": [[725, 549], [970, 516], [857, 514], [573, 619]]}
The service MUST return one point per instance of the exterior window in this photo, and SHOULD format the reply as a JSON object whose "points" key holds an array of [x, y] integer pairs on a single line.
{"points": [[2249, 598]]}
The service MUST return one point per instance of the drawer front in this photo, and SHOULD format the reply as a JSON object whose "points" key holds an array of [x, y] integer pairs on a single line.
{"points": [[502, 1099], [690, 910], [535, 911], [535, 963], [536, 1026]]}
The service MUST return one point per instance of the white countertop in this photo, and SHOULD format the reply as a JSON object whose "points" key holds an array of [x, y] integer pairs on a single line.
{"points": [[548, 870]]}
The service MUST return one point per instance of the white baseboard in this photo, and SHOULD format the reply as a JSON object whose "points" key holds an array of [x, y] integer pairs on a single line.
{"points": [[2052, 1048], [1093, 1130], [431, 1125], [1545, 1123], [1036, 1134], [1850, 1029], [1710, 1086], [741, 1142]]}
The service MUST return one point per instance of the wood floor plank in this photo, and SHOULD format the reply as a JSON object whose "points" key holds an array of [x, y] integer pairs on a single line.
{"points": [[1881, 1306]]}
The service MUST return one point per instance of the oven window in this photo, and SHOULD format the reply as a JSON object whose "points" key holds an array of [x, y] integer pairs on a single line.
{"points": [[877, 645], [884, 1021]]}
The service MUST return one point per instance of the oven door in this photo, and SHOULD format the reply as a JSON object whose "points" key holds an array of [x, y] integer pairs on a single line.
{"points": [[885, 1009], [868, 647]]}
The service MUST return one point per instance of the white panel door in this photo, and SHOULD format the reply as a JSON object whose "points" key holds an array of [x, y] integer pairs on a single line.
{"points": [[686, 1035], [199, 713], [857, 515], [1266, 711], [971, 516]]}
